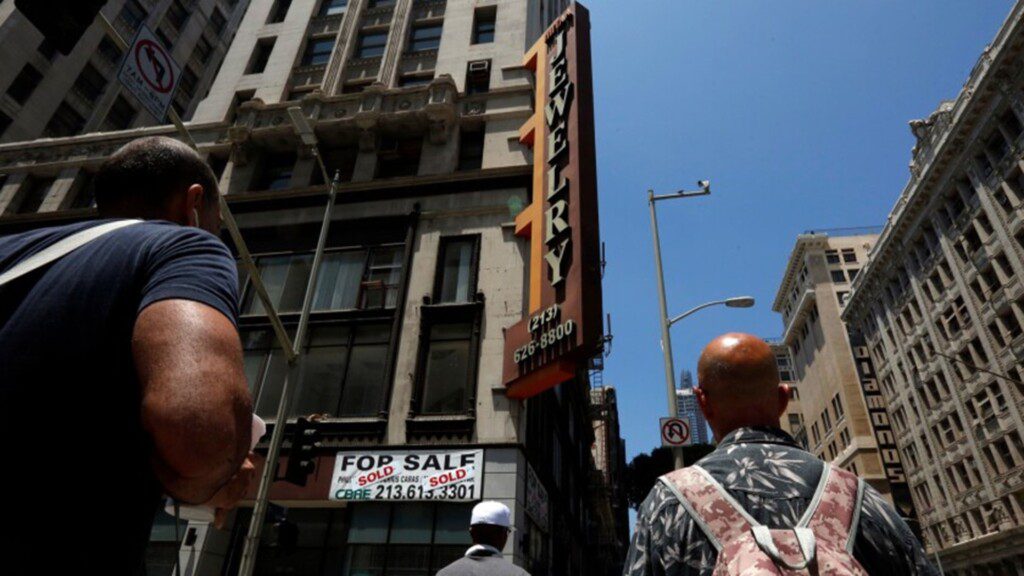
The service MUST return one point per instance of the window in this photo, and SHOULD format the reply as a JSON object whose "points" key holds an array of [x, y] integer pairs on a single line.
{"points": [[398, 157], [484, 24], [64, 122], [371, 45], [32, 195], [852, 272], [318, 539], [794, 422], [121, 114], [164, 38], [132, 14], [318, 51], [202, 50], [837, 407], [276, 172], [380, 3], [837, 276], [5, 122], [406, 80], [332, 7], [85, 195], [448, 368], [826, 421], [405, 538], [279, 11], [478, 77], [260, 56], [217, 21], [90, 83], [110, 51], [424, 38], [849, 255], [457, 269], [47, 49], [471, 149], [177, 15], [187, 85], [349, 279], [832, 256], [24, 84]]}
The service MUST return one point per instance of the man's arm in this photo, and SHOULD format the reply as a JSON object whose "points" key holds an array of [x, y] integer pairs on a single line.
{"points": [[195, 401]]}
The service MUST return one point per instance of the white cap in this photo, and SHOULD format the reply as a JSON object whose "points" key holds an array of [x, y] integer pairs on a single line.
{"points": [[493, 513]]}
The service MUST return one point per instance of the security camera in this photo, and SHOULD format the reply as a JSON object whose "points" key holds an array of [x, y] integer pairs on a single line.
{"points": [[704, 184]]}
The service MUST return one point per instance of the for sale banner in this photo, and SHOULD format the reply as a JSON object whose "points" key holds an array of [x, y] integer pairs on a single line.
{"points": [[446, 475]]}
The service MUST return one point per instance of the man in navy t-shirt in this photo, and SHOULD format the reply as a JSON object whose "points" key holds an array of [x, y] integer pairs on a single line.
{"points": [[121, 372]]}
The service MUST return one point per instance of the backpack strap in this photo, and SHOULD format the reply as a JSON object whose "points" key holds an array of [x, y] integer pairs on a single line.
{"points": [[61, 248], [835, 517], [718, 515]]}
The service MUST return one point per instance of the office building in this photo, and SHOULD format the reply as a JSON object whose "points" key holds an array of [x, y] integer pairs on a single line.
{"points": [[939, 309], [47, 94], [686, 404], [450, 331]]}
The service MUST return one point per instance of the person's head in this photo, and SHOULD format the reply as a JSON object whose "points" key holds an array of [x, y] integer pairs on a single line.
{"points": [[490, 524], [739, 384], [159, 178]]}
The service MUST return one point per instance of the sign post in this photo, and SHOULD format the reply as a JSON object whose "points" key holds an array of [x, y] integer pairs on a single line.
{"points": [[675, 432], [150, 73]]}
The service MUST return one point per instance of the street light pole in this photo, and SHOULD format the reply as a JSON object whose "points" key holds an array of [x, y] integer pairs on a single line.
{"points": [[666, 339]]}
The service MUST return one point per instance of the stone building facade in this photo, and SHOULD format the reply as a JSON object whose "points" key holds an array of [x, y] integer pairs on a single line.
{"points": [[939, 308], [49, 95], [417, 107]]}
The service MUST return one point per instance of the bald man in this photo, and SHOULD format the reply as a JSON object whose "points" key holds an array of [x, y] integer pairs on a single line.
{"points": [[763, 469]]}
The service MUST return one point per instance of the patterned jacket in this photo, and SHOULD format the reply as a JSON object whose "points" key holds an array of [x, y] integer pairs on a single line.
{"points": [[774, 480]]}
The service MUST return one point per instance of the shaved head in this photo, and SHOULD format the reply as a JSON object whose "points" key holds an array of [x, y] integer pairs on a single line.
{"points": [[739, 383]]}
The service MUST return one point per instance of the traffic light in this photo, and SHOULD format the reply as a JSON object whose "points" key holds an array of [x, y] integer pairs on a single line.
{"points": [[62, 22], [302, 456]]}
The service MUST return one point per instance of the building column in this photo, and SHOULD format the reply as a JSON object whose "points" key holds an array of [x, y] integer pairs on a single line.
{"points": [[9, 190], [396, 42], [61, 190]]}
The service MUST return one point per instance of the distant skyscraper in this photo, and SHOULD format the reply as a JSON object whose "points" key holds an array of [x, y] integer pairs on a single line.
{"points": [[686, 400]]}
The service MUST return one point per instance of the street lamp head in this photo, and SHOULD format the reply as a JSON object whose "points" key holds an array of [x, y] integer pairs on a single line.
{"points": [[740, 302], [705, 185]]}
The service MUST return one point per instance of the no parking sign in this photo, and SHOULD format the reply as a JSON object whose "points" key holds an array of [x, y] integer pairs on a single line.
{"points": [[149, 73]]}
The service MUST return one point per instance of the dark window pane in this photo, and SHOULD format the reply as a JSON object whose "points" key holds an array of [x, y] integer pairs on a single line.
{"points": [[64, 122], [471, 150], [331, 7], [364, 384], [260, 56], [341, 274], [110, 51], [371, 45], [47, 49], [320, 388], [380, 3], [318, 51], [217, 21], [33, 196], [24, 84], [409, 561], [133, 14], [285, 279], [276, 173], [413, 523], [202, 50], [424, 38], [85, 197], [280, 11], [121, 114], [380, 288], [484, 25], [364, 560], [270, 389], [90, 83], [457, 270], [5, 121], [177, 14], [445, 388], [369, 524]]}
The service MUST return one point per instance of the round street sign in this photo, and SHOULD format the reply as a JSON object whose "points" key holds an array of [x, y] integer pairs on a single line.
{"points": [[675, 432], [155, 65]]}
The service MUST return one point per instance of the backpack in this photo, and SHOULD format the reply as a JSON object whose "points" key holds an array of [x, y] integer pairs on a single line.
{"points": [[821, 543]]}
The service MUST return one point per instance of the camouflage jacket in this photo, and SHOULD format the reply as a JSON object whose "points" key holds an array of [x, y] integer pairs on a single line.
{"points": [[774, 480]]}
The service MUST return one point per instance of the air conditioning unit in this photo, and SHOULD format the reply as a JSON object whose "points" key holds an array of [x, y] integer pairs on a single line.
{"points": [[480, 67]]}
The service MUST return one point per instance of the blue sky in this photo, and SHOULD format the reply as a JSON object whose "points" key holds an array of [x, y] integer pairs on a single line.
{"points": [[796, 111]]}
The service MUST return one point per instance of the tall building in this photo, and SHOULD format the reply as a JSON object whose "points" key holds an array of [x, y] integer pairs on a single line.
{"points": [[792, 420], [939, 308], [451, 335], [686, 404], [607, 487], [50, 95], [810, 298]]}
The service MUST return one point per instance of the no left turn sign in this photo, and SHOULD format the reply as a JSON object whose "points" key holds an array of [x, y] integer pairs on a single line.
{"points": [[150, 73], [675, 432]]}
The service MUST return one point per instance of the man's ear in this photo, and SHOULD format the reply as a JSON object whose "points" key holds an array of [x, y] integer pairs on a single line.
{"points": [[784, 395], [702, 401], [194, 197]]}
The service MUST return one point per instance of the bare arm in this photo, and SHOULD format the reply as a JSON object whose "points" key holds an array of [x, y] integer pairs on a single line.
{"points": [[195, 402]]}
